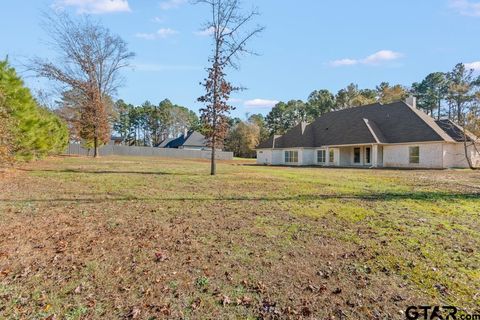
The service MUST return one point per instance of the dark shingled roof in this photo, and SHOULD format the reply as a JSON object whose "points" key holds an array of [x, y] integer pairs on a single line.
{"points": [[454, 131], [195, 139], [192, 139], [376, 123], [165, 142], [266, 143]]}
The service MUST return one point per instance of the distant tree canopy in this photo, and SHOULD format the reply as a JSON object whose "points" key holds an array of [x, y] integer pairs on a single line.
{"points": [[149, 125], [27, 130], [454, 95], [244, 136]]}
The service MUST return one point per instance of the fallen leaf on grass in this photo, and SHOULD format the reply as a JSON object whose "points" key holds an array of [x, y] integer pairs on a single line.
{"points": [[260, 287], [269, 307], [314, 288], [161, 256], [61, 246], [4, 272], [289, 311], [442, 289], [306, 312], [196, 303], [225, 300], [337, 291], [134, 313], [244, 301]]}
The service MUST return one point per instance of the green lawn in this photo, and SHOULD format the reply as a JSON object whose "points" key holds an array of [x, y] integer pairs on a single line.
{"points": [[152, 238]]}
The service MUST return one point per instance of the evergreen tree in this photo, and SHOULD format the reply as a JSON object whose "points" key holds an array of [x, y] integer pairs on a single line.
{"points": [[32, 131]]}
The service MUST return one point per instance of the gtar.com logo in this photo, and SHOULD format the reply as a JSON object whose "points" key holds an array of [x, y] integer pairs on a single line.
{"points": [[437, 313], [431, 313]]}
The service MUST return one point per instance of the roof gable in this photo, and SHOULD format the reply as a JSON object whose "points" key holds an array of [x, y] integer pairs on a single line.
{"points": [[195, 139]]}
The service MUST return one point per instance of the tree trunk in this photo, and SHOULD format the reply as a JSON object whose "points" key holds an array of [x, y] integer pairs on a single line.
{"points": [[469, 161], [465, 146], [213, 164], [95, 147], [439, 109]]}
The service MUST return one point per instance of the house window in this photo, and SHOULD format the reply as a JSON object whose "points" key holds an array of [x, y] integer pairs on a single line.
{"points": [[356, 155], [291, 156], [331, 156], [321, 156], [368, 155], [414, 153]]}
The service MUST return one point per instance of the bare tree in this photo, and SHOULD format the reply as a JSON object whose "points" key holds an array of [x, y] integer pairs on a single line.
{"points": [[89, 61], [226, 26]]}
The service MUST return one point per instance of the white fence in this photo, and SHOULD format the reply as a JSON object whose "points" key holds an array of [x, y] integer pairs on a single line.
{"points": [[112, 150]]}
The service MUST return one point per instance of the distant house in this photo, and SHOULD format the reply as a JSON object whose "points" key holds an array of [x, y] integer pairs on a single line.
{"points": [[115, 141], [376, 135], [191, 140]]}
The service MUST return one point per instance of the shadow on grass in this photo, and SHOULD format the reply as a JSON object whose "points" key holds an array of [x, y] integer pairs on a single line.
{"points": [[419, 196], [83, 171]]}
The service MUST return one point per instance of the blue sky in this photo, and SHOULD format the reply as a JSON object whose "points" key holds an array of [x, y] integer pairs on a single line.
{"points": [[307, 44]]}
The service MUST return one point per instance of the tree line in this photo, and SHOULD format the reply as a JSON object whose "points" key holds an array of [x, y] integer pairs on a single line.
{"points": [[149, 124], [27, 129]]}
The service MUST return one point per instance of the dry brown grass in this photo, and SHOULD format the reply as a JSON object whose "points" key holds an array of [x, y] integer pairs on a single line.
{"points": [[155, 238]]}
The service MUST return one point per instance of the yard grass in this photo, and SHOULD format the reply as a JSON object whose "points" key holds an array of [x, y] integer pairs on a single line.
{"points": [[149, 238]]}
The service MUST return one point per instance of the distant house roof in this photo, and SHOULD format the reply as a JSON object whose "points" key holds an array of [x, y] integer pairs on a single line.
{"points": [[165, 142], [191, 139], [396, 122]]}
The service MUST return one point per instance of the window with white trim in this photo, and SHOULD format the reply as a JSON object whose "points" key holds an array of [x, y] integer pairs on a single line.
{"points": [[321, 156], [331, 156], [414, 155], [291, 156]]}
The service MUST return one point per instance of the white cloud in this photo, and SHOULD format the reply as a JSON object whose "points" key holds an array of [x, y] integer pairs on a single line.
{"points": [[171, 4], [344, 62], [473, 65], [466, 7], [208, 32], [260, 103], [373, 59], [162, 33], [94, 6], [205, 32], [382, 56]]}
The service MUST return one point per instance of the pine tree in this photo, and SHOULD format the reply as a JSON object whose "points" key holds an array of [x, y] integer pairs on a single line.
{"points": [[31, 131]]}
